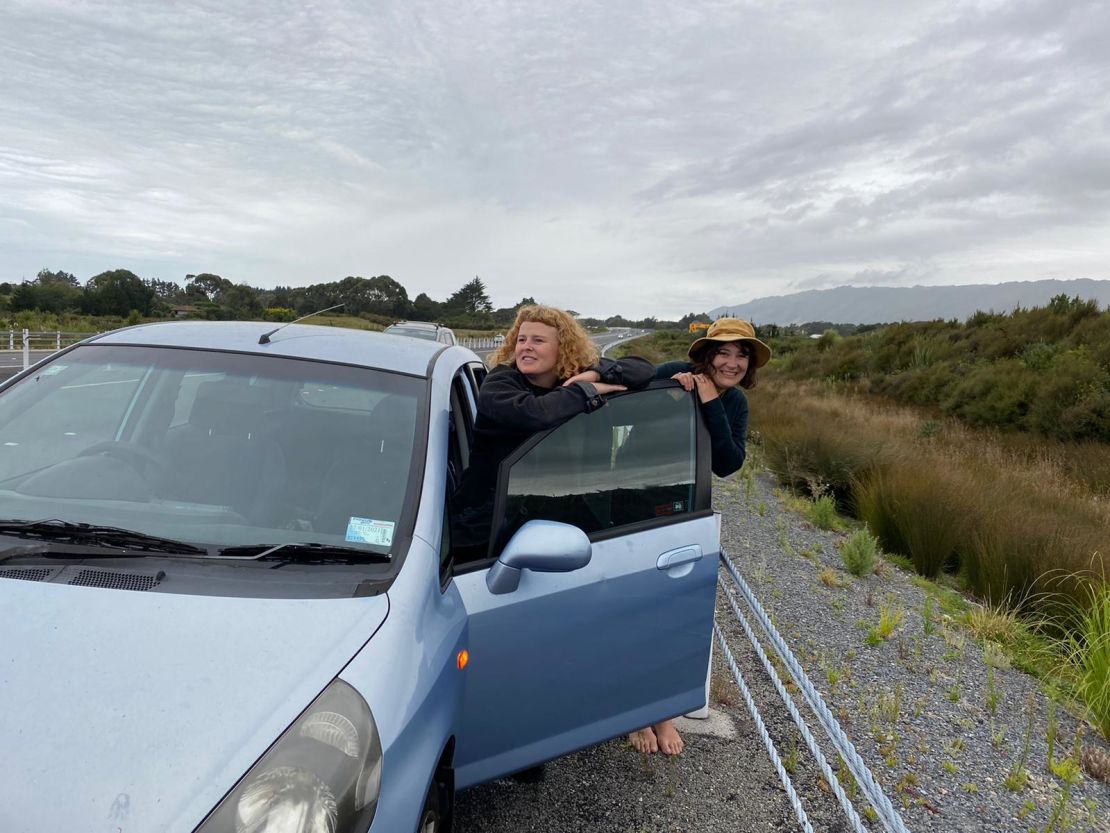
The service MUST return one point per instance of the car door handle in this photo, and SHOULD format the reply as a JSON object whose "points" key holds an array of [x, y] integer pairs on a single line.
{"points": [[676, 558]]}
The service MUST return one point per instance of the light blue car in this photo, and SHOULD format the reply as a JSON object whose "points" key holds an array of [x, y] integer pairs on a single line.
{"points": [[229, 603]]}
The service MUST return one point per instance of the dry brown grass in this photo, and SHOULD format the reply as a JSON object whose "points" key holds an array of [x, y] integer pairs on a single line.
{"points": [[1016, 521]]}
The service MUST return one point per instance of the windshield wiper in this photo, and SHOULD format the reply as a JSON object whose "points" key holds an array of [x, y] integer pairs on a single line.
{"points": [[303, 551], [117, 540]]}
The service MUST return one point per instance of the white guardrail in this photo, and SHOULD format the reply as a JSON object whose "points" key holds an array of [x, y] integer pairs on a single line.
{"points": [[481, 343], [26, 341]]}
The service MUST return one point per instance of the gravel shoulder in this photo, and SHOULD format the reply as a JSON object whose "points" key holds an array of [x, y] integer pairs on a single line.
{"points": [[917, 706]]}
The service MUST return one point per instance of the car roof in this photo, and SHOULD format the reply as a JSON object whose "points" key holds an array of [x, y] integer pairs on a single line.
{"points": [[301, 341]]}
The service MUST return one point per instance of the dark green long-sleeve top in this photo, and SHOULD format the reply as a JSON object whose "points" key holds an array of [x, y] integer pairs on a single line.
{"points": [[726, 417]]}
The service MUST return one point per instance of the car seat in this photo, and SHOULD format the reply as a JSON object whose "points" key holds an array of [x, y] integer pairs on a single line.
{"points": [[223, 454], [369, 479]]}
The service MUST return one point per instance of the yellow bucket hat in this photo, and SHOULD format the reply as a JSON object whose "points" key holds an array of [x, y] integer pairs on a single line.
{"points": [[734, 329]]}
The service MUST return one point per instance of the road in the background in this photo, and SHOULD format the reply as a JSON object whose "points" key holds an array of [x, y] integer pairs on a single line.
{"points": [[605, 341], [11, 361]]}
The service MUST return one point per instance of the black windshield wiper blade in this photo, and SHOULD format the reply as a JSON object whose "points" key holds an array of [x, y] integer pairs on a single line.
{"points": [[303, 551], [111, 537], [52, 551]]}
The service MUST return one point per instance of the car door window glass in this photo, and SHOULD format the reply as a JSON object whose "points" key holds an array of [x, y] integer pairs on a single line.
{"points": [[461, 428], [476, 374], [632, 461]]}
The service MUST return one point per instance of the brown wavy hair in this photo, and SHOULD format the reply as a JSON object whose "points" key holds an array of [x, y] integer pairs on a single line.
{"points": [[576, 351], [701, 362]]}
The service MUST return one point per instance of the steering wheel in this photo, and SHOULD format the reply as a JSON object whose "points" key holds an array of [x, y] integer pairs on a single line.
{"points": [[152, 469]]}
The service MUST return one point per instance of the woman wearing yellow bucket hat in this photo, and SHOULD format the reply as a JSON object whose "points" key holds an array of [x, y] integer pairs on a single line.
{"points": [[721, 363]]}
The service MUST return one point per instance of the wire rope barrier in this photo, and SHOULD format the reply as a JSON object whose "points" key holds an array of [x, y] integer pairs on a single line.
{"points": [[886, 814], [765, 736], [799, 721]]}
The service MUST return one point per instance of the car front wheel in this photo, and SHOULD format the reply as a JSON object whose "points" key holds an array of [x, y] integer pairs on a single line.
{"points": [[432, 817]]}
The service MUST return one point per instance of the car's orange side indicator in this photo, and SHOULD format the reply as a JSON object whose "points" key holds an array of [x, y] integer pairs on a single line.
{"points": [[463, 658]]}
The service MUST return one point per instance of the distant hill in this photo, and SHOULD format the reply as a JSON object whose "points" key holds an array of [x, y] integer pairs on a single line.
{"points": [[888, 304]]}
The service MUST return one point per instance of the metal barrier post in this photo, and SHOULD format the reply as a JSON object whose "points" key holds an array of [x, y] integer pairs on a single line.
{"points": [[26, 348], [11, 339], [58, 340]]}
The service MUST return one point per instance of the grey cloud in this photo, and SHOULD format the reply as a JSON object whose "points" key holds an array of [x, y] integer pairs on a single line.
{"points": [[683, 148]]}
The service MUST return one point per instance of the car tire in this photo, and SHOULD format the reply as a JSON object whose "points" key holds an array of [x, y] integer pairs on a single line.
{"points": [[433, 818]]}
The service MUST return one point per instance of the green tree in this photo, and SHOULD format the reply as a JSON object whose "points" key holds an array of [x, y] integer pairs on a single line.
{"points": [[381, 295], [54, 292], [282, 297], [206, 286], [241, 301], [425, 309], [165, 290], [117, 292], [505, 316], [469, 299], [45, 276], [25, 296]]}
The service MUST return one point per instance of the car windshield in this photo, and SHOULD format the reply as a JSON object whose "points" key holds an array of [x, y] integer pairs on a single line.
{"points": [[220, 449], [415, 332]]}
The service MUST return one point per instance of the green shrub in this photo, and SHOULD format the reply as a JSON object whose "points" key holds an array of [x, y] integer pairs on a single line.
{"points": [[822, 513], [1073, 400], [860, 552], [1038, 356], [994, 393]]}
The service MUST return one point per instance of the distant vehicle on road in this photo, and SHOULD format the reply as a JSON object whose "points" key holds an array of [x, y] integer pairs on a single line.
{"points": [[425, 330], [229, 599]]}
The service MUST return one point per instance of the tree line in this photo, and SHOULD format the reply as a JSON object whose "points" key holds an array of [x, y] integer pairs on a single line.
{"points": [[120, 292]]}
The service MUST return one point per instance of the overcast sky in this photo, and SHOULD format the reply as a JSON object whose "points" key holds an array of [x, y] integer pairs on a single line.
{"points": [[646, 158]]}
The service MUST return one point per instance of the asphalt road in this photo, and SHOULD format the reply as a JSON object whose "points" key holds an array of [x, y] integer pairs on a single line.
{"points": [[11, 362], [603, 340]]}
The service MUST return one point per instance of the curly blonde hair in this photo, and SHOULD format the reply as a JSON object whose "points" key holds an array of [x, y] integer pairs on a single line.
{"points": [[576, 351]]}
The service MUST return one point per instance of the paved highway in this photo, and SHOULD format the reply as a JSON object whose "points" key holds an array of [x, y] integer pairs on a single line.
{"points": [[11, 361]]}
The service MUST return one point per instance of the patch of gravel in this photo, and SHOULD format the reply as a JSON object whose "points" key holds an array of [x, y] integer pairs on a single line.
{"points": [[915, 706]]}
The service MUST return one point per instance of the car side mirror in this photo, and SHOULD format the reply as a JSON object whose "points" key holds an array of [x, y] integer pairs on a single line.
{"points": [[543, 546]]}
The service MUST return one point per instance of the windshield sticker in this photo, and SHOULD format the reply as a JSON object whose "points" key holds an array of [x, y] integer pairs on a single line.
{"points": [[369, 531]]}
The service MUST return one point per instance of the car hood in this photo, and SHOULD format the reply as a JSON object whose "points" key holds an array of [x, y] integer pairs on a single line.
{"points": [[131, 711]]}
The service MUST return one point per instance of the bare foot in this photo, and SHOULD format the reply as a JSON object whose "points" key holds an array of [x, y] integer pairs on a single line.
{"points": [[643, 740], [670, 741]]}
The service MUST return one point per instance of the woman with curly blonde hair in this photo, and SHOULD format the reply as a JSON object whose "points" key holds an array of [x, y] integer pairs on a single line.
{"points": [[546, 372], [575, 351]]}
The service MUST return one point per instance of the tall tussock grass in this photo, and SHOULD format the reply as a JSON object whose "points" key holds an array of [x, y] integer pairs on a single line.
{"points": [[948, 497], [925, 518]]}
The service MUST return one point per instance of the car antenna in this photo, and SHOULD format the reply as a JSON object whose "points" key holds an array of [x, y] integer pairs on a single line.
{"points": [[265, 337]]}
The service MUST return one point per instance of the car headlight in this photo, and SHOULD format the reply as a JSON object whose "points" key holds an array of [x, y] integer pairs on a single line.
{"points": [[323, 775]]}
